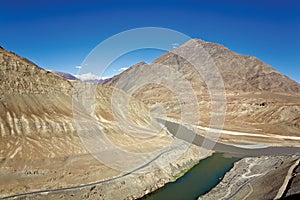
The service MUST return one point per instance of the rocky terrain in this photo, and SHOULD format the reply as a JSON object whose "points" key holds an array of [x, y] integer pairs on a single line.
{"points": [[240, 73], [262, 108], [41, 151], [46, 132], [258, 100], [266, 177]]}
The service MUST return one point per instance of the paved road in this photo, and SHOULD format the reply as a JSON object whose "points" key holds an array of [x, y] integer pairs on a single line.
{"points": [[88, 184], [183, 133]]}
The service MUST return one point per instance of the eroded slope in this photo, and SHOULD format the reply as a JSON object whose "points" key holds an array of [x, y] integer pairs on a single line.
{"points": [[259, 99], [40, 145]]}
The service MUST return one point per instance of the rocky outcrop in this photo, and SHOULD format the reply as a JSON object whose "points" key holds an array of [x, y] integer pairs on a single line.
{"points": [[20, 76], [257, 178]]}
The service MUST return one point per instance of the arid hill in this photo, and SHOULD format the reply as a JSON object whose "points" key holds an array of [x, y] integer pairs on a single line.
{"points": [[240, 73], [40, 147], [259, 99], [44, 128]]}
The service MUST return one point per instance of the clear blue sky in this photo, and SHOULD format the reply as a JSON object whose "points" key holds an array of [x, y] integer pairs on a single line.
{"points": [[58, 34]]}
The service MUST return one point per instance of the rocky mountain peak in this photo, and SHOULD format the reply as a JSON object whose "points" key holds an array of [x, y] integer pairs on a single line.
{"points": [[240, 73]]}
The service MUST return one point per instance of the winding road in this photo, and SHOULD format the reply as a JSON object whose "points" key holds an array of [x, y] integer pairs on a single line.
{"points": [[181, 132], [84, 185]]}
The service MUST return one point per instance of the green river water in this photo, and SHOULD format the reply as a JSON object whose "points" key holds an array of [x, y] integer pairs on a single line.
{"points": [[197, 181]]}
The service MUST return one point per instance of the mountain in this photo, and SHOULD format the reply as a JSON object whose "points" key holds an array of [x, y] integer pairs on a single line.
{"points": [[240, 73], [49, 125], [82, 77], [91, 78], [20, 76], [66, 75], [259, 99], [45, 134]]}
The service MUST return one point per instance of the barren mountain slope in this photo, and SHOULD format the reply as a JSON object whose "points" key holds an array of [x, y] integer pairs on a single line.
{"points": [[40, 146], [259, 99], [240, 73]]}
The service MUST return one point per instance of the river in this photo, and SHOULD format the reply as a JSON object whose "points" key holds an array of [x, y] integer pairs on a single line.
{"points": [[181, 132], [207, 174], [197, 181]]}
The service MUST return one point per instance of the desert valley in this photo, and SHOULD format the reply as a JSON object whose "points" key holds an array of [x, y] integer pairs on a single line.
{"points": [[42, 125]]}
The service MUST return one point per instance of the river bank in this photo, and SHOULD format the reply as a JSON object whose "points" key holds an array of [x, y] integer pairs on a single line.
{"points": [[211, 143], [264, 177], [262, 159], [140, 183], [197, 181], [128, 186]]}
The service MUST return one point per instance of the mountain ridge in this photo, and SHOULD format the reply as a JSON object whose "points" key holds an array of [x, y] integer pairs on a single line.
{"points": [[19, 75], [249, 68], [240, 73], [253, 89], [40, 142], [41, 148]]}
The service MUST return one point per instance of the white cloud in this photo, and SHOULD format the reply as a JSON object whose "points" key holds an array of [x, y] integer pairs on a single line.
{"points": [[91, 77], [105, 77], [88, 76], [78, 67], [122, 69], [175, 45]]}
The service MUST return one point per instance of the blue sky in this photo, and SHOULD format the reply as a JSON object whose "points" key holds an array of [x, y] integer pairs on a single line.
{"points": [[59, 34]]}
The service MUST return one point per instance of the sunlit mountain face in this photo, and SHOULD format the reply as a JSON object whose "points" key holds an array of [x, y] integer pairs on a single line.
{"points": [[150, 100]]}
